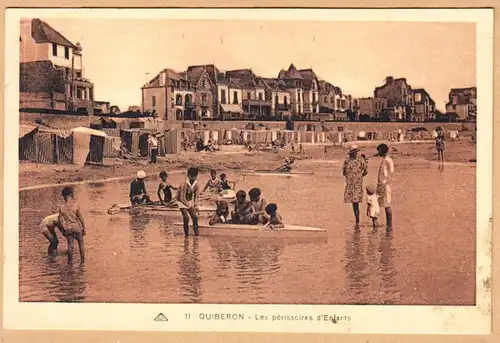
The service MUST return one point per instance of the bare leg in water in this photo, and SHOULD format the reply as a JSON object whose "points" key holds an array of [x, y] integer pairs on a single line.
{"points": [[355, 208], [388, 217]]}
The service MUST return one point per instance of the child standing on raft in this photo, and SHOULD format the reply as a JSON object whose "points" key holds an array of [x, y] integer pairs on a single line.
{"points": [[187, 200]]}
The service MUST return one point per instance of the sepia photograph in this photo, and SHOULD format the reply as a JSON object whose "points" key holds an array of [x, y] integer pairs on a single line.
{"points": [[320, 166]]}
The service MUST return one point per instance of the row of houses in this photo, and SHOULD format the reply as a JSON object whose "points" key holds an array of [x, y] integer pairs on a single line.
{"points": [[396, 100], [52, 79], [207, 92]]}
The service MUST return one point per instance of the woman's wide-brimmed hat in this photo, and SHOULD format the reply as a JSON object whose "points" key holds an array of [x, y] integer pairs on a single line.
{"points": [[353, 148]]}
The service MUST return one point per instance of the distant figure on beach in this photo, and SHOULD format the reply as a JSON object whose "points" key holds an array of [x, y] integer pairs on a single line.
{"points": [[153, 148], [48, 227], [187, 201], [440, 148], [71, 219], [138, 194], [354, 169], [372, 208], [325, 151], [287, 167], [384, 183], [164, 191]]}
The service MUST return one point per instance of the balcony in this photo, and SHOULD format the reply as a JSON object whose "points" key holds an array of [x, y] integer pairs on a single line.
{"points": [[256, 102]]}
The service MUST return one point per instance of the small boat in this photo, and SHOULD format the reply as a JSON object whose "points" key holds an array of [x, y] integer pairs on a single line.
{"points": [[257, 230], [153, 207], [276, 172]]}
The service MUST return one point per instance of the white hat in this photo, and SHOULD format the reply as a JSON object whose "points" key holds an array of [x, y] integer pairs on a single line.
{"points": [[353, 148], [141, 174]]}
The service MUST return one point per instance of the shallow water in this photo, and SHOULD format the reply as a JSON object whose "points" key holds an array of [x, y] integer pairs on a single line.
{"points": [[428, 259]]}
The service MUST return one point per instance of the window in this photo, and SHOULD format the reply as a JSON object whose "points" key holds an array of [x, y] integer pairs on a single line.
{"points": [[249, 95], [260, 96], [153, 100], [235, 98], [314, 109], [187, 99], [78, 73], [203, 100], [276, 100], [178, 100], [204, 83], [303, 97], [418, 97], [338, 103], [223, 96], [285, 100], [314, 97], [66, 52], [326, 99], [54, 49]]}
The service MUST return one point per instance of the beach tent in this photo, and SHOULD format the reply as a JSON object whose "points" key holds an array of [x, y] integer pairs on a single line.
{"points": [[88, 145], [45, 145]]}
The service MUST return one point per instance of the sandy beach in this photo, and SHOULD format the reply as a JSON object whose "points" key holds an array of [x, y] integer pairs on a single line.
{"points": [[234, 158]]}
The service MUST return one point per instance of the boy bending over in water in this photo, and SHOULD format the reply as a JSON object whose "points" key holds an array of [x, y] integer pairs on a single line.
{"points": [[71, 219], [275, 220], [258, 215], [165, 188], [187, 200], [48, 227], [242, 208]]}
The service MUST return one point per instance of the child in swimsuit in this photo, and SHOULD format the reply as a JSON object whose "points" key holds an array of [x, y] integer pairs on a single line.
{"points": [[258, 215], [213, 184], [48, 227], [187, 200], [71, 219], [275, 220], [373, 208], [221, 214], [165, 188], [242, 208]]}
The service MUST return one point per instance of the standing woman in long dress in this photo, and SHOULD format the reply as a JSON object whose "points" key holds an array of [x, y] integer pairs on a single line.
{"points": [[354, 169]]}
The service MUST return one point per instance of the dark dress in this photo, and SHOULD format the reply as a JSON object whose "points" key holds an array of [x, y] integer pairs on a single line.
{"points": [[354, 169]]}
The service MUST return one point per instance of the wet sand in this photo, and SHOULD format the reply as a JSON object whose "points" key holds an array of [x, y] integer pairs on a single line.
{"points": [[233, 158]]}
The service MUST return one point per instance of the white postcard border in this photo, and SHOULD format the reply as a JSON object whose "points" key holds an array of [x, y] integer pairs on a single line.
{"points": [[363, 319]]}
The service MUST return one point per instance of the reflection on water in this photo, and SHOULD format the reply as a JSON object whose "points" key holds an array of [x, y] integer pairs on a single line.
{"points": [[140, 259], [190, 271]]}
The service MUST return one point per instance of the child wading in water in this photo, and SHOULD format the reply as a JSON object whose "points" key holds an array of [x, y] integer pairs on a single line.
{"points": [[165, 188], [242, 208], [275, 220], [48, 227], [71, 219], [372, 208], [258, 215], [187, 200]]}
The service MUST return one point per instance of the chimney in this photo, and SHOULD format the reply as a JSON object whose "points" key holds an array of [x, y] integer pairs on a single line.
{"points": [[389, 80]]}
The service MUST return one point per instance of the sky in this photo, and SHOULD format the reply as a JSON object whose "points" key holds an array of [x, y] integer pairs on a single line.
{"points": [[356, 56]]}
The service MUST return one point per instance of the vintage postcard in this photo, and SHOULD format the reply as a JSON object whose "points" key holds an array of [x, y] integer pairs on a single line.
{"points": [[248, 170]]}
